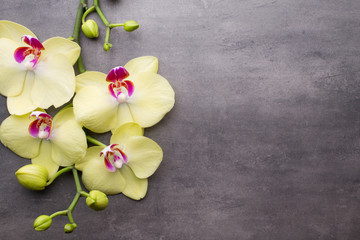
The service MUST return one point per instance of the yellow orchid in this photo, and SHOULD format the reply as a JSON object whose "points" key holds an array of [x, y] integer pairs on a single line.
{"points": [[136, 93], [34, 74], [50, 142], [124, 166]]}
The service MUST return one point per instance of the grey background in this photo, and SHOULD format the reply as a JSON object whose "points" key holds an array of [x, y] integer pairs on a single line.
{"points": [[263, 141]]}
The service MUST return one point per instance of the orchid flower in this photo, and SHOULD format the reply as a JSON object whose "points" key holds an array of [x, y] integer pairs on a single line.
{"points": [[133, 93], [34, 74], [50, 142], [124, 166]]}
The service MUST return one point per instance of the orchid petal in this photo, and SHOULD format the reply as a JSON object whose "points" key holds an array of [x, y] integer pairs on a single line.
{"points": [[91, 79], [142, 64], [95, 176], [44, 159], [13, 31], [117, 74], [144, 154], [95, 109], [12, 74], [63, 46], [14, 134], [68, 139], [152, 99], [125, 131], [91, 153], [20, 54], [123, 116], [135, 188], [22, 103], [54, 82]]}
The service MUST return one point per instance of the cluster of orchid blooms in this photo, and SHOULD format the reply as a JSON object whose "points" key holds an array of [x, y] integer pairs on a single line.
{"points": [[35, 76]]}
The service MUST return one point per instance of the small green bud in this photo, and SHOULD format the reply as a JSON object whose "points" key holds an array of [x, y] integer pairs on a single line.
{"points": [[33, 176], [70, 227], [90, 29], [42, 222], [131, 25], [97, 200], [107, 46]]}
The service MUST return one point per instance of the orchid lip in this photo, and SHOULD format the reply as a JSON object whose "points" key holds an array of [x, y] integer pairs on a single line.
{"points": [[114, 157], [41, 127], [30, 54]]}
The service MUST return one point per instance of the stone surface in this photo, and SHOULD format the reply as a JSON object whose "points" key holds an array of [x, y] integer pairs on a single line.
{"points": [[263, 142]]}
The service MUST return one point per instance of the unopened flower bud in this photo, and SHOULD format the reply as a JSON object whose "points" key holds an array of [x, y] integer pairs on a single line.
{"points": [[97, 200], [33, 176], [70, 227], [90, 29], [42, 222], [107, 46], [131, 25]]}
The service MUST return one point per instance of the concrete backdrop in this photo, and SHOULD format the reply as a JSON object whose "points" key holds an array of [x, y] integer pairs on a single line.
{"points": [[263, 141]]}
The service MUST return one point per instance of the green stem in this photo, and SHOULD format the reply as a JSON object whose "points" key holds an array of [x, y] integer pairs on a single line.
{"points": [[112, 25], [89, 10], [94, 141], [77, 196], [84, 194], [76, 32], [63, 212], [101, 14], [64, 170], [107, 45]]}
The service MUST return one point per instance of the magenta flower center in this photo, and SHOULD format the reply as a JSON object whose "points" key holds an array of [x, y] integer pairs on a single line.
{"points": [[119, 88], [114, 157], [41, 127], [29, 55]]}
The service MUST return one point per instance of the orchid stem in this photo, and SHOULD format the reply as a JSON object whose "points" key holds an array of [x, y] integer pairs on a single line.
{"points": [[76, 32], [94, 141], [89, 10], [64, 170], [107, 24]]}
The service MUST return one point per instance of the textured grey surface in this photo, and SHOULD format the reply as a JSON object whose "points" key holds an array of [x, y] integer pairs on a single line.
{"points": [[263, 142]]}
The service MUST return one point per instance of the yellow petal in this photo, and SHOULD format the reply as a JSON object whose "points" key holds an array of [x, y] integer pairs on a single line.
{"points": [[95, 109], [68, 139], [15, 135], [142, 64], [12, 74], [125, 131], [90, 79], [135, 188], [91, 154], [44, 158], [54, 82], [123, 116], [144, 155], [95, 176], [13, 31], [22, 103], [61, 45], [152, 99]]}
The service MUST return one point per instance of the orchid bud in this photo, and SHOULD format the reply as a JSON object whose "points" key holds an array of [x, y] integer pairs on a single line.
{"points": [[131, 25], [42, 222], [90, 29], [33, 176], [97, 200], [70, 227], [107, 46]]}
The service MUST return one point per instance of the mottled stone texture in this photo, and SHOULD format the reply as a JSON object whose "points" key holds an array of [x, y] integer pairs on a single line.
{"points": [[263, 142]]}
